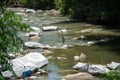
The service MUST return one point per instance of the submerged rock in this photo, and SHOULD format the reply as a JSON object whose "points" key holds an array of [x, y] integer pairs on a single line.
{"points": [[78, 76]]}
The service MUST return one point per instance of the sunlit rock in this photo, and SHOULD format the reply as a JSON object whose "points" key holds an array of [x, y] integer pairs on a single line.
{"points": [[78, 76], [49, 57], [39, 11], [30, 11], [46, 52], [33, 77], [61, 58], [81, 66], [86, 30], [65, 46], [7, 74], [35, 29], [90, 68], [88, 25], [114, 65], [82, 57], [30, 61], [49, 28], [89, 43], [47, 47], [30, 34], [63, 30], [76, 58], [33, 45]]}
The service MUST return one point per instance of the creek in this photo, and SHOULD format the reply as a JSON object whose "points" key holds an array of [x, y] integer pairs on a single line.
{"points": [[105, 50]]}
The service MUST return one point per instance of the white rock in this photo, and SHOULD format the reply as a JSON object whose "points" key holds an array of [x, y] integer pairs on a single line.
{"points": [[61, 58], [82, 37], [92, 69], [81, 66], [64, 46], [33, 45], [114, 65], [35, 28], [11, 54], [89, 43], [63, 30], [76, 58], [96, 69], [49, 28], [28, 62], [86, 30], [33, 77], [30, 11], [7, 74], [26, 19], [47, 47], [32, 34]]}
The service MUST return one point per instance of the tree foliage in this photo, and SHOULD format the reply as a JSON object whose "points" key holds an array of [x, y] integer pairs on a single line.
{"points": [[95, 10], [10, 24]]}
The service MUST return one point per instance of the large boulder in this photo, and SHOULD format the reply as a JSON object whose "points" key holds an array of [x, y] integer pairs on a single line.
{"points": [[28, 62]]}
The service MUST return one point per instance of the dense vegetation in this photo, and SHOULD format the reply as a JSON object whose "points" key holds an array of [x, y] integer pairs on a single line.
{"points": [[112, 75], [10, 24], [106, 11]]}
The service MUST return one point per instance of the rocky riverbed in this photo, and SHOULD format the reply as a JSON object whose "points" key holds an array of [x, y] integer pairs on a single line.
{"points": [[65, 43]]}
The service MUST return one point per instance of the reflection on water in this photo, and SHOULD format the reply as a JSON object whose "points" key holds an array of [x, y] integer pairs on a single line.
{"points": [[53, 72]]}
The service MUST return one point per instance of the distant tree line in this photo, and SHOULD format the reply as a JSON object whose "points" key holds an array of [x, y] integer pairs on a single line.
{"points": [[105, 11]]}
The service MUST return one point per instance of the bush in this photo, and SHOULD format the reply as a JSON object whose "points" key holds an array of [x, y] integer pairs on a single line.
{"points": [[112, 75]]}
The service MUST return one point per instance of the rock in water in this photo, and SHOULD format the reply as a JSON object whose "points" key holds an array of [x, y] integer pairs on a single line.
{"points": [[49, 28], [33, 45], [114, 65], [82, 57]]}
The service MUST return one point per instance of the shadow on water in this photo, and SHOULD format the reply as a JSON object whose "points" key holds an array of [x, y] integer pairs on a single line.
{"points": [[113, 45]]}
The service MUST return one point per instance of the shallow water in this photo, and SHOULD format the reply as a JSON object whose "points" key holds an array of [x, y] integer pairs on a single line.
{"points": [[105, 50]]}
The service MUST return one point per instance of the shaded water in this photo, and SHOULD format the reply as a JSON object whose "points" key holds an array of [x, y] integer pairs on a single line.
{"points": [[104, 51]]}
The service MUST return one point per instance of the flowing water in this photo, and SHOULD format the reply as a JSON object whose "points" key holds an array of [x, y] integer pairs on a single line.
{"points": [[105, 50]]}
